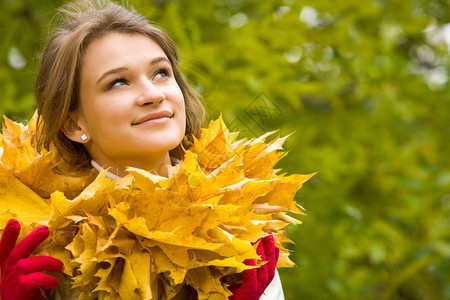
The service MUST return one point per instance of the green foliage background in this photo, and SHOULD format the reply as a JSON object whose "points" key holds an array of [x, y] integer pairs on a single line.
{"points": [[364, 85]]}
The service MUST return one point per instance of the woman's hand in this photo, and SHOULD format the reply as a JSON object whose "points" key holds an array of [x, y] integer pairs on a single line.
{"points": [[21, 276], [256, 280]]}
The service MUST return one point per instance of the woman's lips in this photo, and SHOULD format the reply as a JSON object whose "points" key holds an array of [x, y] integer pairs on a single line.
{"points": [[160, 117], [155, 121]]}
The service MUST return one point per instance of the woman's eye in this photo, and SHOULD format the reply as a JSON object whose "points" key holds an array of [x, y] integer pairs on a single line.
{"points": [[162, 73], [117, 82]]}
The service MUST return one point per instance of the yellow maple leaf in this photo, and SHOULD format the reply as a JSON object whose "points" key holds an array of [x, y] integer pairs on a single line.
{"points": [[17, 198]]}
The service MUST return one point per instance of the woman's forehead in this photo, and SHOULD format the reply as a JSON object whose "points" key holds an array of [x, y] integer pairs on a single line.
{"points": [[118, 50], [118, 43]]}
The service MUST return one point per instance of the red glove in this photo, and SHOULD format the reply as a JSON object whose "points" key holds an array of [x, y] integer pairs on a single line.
{"points": [[21, 278], [256, 280]]}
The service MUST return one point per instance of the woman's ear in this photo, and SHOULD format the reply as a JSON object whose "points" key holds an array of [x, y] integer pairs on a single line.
{"points": [[75, 129]]}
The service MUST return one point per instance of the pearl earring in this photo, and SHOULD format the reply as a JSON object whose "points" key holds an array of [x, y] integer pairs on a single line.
{"points": [[84, 137]]}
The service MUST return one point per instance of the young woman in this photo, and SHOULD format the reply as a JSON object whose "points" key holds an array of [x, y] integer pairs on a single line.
{"points": [[110, 95]]}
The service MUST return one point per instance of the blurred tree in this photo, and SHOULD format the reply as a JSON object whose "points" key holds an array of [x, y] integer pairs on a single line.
{"points": [[23, 25], [364, 85]]}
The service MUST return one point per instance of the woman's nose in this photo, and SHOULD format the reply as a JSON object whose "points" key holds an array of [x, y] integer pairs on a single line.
{"points": [[149, 94]]}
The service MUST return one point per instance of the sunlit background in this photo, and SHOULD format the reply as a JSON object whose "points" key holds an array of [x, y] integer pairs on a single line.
{"points": [[364, 87]]}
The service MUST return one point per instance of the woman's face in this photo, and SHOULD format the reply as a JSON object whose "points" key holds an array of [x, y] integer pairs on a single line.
{"points": [[132, 108]]}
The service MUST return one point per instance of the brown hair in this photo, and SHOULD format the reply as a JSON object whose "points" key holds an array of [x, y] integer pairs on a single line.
{"points": [[58, 80]]}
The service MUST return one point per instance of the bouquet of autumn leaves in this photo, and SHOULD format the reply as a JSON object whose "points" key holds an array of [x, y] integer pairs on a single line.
{"points": [[145, 236]]}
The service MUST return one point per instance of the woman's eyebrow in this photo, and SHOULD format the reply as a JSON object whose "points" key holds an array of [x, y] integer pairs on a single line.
{"points": [[120, 69], [159, 59], [112, 71]]}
